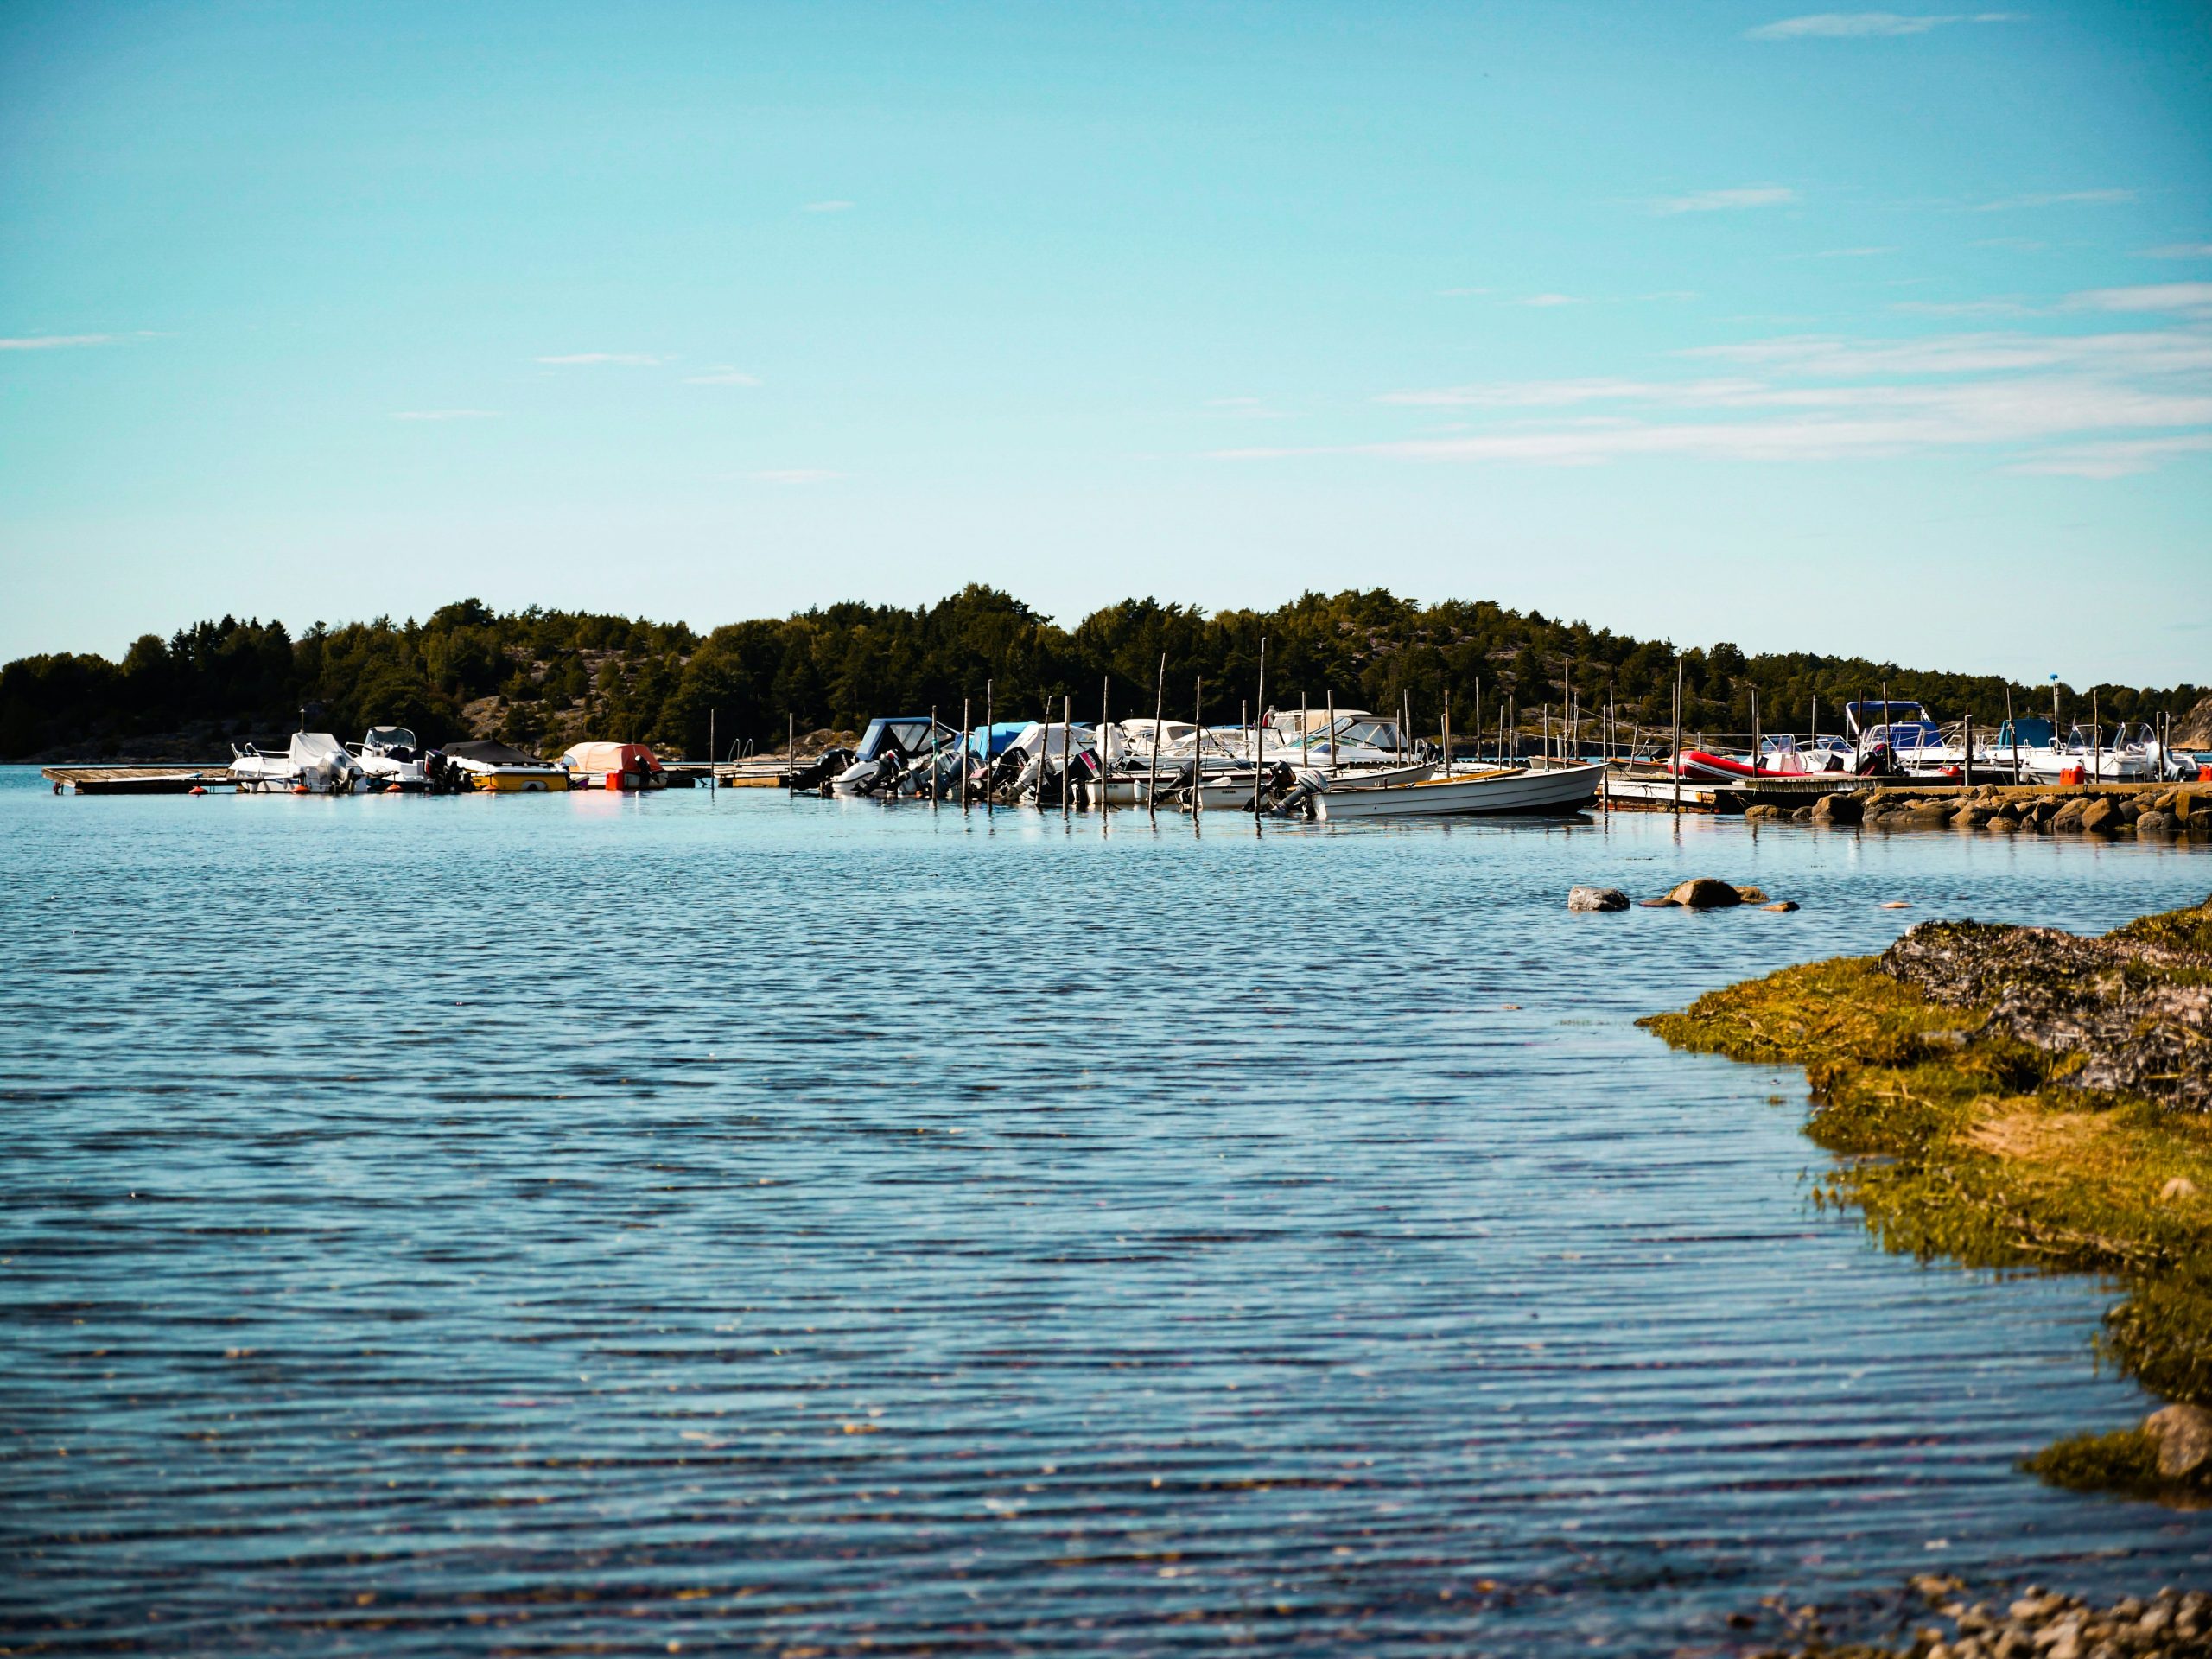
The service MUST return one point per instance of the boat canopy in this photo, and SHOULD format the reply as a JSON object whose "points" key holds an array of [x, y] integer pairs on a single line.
{"points": [[599, 759], [905, 735], [389, 737], [317, 749], [992, 740], [1053, 740], [489, 751]]}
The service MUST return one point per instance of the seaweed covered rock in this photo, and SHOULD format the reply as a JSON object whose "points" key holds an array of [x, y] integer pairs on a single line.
{"points": [[2136, 1011]]}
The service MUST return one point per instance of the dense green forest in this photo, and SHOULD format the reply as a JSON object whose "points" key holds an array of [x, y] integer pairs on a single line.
{"points": [[545, 678]]}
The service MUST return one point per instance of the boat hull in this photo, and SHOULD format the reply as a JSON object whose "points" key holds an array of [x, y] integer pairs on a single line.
{"points": [[521, 783], [1531, 790]]}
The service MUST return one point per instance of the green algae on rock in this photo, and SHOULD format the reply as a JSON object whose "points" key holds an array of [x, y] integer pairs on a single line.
{"points": [[2019, 1097]]}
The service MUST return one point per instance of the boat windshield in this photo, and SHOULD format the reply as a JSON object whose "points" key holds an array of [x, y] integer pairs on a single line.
{"points": [[389, 737]]}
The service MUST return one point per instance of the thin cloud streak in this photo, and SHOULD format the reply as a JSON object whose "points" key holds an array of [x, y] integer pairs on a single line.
{"points": [[2180, 250], [2056, 199], [1864, 25], [1722, 201], [56, 342]]}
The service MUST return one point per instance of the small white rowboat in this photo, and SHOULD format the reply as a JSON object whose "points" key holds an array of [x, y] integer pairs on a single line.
{"points": [[1520, 788]]}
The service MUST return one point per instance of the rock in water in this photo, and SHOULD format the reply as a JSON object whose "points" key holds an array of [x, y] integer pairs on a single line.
{"points": [[1596, 898], [2184, 1438], [1781, 903], [1703, 894], [2154, 824], [2099, 817], [1749, 896]]}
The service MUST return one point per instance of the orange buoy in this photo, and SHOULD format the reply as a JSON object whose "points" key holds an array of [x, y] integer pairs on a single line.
{"points": [[195, 789]]}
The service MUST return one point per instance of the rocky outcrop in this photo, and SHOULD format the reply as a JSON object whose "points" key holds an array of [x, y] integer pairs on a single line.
{"points": [[2183, 1436], [2136, 1008]]}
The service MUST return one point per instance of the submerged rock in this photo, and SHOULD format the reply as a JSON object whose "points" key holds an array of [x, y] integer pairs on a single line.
{"points": [[1781, 903], [1749, 896], [1596, 898]]}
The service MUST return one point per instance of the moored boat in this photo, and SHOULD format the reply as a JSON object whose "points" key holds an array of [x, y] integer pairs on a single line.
{"points": [[496, 768], [613, 765], [1511, 790], [390, 758], [313, 763]]}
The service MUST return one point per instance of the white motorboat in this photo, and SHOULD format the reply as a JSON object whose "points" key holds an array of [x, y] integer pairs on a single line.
{"points": [[2086, 757], [1511, 790], [313, 763], [390, 758]]}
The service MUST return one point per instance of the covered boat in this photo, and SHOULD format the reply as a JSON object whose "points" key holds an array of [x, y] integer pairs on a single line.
{"points": [[313, 763], [889, 749], [488, 764], [614, 765]]}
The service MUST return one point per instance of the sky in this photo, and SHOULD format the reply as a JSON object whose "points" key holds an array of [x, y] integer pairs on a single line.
{"points": [[1869, 332]]}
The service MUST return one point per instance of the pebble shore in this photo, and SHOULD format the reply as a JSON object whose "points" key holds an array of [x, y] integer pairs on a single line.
{"points": [[2034, 1625]]}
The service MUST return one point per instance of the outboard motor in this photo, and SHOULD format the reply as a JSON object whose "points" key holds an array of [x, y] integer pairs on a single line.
{"points": [[1877, 762]]}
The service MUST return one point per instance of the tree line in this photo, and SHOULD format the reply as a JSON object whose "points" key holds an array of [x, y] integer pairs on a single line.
{"points": [[541, 679]]}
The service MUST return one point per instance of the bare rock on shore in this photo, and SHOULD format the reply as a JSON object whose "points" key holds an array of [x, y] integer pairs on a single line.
{"points": [[1838, 808], [2032, 1624], [1596, 898], [1703, 892], [2155, 824], [2184, 1436], [1761, 813], [2137, 1007], [2101, 817]]}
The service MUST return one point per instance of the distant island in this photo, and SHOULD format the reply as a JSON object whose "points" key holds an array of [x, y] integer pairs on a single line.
{"points": [[541, 679]]}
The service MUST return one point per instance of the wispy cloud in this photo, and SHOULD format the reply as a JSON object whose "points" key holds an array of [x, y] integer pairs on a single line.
{"points": [[795, 475], [56, 342], [2055, 199], [2092, 406], [1862, 25], [445, 414], [2180, 250], [617, 360], [1722, 201], [827, 208], [723, 376], [2180, 298], [1249, 408], [2120, 458], [1963, 307]]}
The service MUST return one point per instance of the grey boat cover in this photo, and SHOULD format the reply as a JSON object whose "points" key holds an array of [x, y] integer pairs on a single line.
{"points": [[491, 753]]}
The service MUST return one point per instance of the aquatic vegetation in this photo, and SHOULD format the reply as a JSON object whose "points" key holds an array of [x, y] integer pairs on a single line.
{"points": [[2019, 1097]]}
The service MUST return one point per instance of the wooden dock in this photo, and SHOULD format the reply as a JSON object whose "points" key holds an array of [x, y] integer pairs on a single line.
{"points": [[136, 780]]}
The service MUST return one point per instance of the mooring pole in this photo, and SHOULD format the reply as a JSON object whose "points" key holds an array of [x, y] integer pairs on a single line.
{"points": [[1067, 756], [790, 747], [1197, 751], [1159, 718], [1674, 760], [713, 750], [933, 760], [964, 740], [1105, 691], [1259, 719], [1333, 734], [990, 795]]}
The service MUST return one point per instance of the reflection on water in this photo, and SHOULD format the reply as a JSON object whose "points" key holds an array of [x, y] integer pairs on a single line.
{"points": [[474, 1225]]}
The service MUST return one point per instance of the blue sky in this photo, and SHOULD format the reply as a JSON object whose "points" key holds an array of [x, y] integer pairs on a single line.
{"points": [[1868, 332]]}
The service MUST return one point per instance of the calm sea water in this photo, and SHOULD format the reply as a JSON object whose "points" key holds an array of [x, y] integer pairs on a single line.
{"points": [[591, 1224]]}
